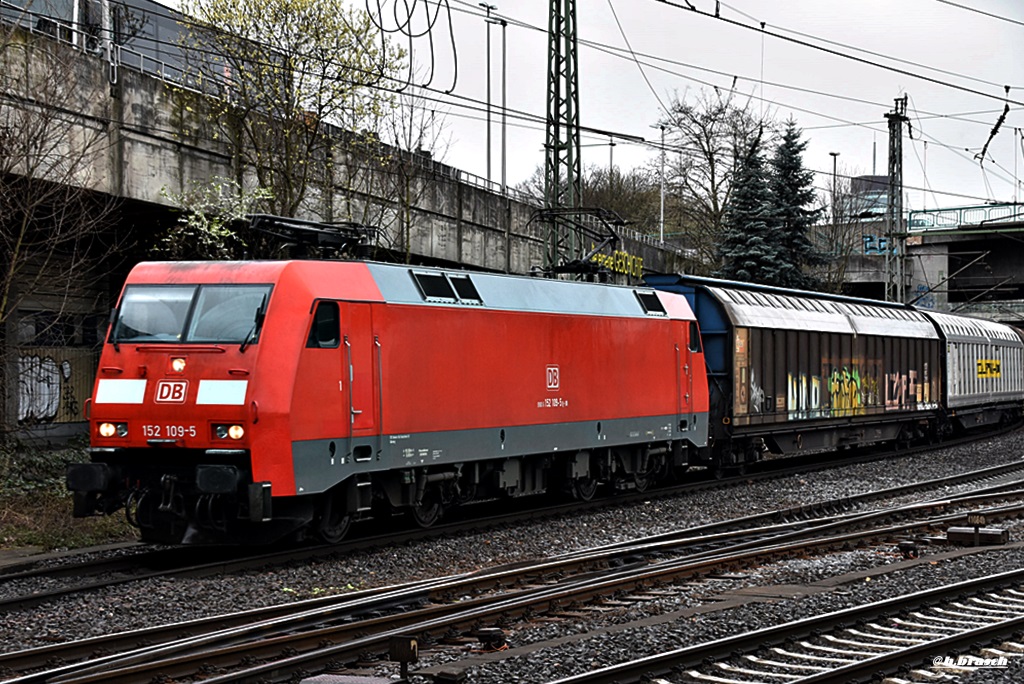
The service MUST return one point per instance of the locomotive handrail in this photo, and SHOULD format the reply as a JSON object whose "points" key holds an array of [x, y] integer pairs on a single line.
{"points": [[380, 397], [351, 409]]}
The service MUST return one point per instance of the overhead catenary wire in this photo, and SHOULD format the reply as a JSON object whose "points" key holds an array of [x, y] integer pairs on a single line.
{"points": [[847, 46], [837, 53], [983, 12], [403, 26], [639, 66]]}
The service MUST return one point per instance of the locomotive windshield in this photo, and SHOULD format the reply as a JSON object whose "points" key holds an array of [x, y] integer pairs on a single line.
{"points": [[227, 314]]}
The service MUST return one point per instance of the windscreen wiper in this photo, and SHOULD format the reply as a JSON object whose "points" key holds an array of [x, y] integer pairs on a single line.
{"points": [[261, 313]]}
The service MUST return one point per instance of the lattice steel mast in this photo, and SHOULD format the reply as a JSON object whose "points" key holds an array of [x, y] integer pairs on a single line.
{"points": [[895, 242], [562, 170]]}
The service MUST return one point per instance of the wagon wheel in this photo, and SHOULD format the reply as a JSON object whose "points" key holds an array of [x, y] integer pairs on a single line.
{"points": [[584, 488], [428, 511], [335, 520]]}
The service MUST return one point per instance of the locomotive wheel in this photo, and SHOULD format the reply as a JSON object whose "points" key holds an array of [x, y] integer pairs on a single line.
{"points": [[335, 521], [427, 513], [655, 471], [429, 509], [584, 488]]}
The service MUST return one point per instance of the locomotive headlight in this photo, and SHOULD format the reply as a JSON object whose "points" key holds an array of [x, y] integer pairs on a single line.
{"points": [[229, 431], [178, 364], [111, 429]]}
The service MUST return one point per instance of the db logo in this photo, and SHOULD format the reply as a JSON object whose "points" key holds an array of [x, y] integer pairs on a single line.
{"points": [[553, 379], [171, 391]]}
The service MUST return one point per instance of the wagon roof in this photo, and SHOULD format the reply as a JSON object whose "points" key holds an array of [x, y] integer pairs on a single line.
{"points": [[754, 309], [967, 329]]}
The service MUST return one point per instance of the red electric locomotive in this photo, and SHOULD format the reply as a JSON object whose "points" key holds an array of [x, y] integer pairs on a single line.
{"points": [[247, 401]]}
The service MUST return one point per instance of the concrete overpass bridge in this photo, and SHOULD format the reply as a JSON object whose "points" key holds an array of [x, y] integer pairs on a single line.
{"points": [[968, 259]]}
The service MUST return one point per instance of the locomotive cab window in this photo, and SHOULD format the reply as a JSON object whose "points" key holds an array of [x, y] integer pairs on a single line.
{"points": [[152, 314], [229, 314], [325, 333]]}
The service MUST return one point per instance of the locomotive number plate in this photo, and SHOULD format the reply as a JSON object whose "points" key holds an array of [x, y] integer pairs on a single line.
{"points": [[168, 431]]}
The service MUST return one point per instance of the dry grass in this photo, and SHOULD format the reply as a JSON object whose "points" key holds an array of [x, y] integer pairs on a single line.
{"points": [[43, 519], [35, 507]]}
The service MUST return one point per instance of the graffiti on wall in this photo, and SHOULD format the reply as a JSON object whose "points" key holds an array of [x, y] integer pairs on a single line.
{"points": [[905, 390], [53, 384], [38, 389], [757, 394], [803, 396], [877, 244], [923, 297], [845, 391]]}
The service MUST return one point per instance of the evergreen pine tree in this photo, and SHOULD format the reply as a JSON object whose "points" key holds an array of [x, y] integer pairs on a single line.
{"points": [[751, 247], [793, 198]]}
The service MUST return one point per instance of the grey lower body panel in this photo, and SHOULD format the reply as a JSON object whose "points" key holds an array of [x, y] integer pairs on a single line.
{"points": [[322, 463]]}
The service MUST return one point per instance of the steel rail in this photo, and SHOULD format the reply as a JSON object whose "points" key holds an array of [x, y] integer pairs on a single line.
{"points": [[692, 656]]}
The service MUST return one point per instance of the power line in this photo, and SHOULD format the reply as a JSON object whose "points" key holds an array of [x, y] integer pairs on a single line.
{"points": [[869, 52], [978, 11], [635, 60], [837, 53], [871, 125]]}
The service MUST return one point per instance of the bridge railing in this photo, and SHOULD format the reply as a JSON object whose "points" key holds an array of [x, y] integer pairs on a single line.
{"points": [[60, 29], [958, 217]]}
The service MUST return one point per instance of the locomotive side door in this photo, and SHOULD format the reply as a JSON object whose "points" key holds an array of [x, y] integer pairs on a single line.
{"points": [[361, 368]]}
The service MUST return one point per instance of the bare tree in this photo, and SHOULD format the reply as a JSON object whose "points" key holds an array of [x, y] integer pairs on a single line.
{"points": [[287, 72], [55, 223], [839, 235], [386, 174], [633, 195], [703, 138]]}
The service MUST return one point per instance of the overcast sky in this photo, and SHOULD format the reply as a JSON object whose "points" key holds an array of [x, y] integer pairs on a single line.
{"points": [[839, 102]]}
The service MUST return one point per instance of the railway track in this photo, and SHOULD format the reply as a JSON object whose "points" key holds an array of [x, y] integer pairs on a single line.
{"points": [[325, 633], [70, 576], [918, 630]]}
